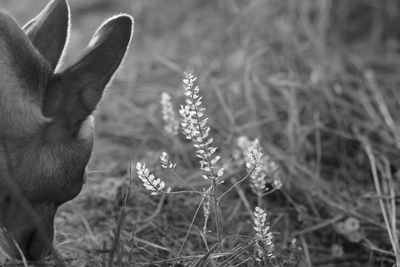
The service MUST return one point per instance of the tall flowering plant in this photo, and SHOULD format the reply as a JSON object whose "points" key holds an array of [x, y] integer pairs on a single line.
{"points": [[195, 128], [262, 170]]}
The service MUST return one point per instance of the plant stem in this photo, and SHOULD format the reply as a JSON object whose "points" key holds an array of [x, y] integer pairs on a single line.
{"points": [[214, 176], [215, 202]]}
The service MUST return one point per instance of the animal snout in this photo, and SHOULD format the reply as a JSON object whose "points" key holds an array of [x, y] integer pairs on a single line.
{"points": [[28, 233], [29, 243], [33, 246]]}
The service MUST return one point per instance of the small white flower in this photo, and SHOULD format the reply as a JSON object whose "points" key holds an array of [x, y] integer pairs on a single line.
{"points": [[150, 182], [277, 184], [166, 162], [254, 154], [169, 115], [263, 235], [194, 126], [264, 170], [254, 157]]}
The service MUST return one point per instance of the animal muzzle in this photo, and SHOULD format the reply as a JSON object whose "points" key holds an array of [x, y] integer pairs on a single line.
{"points": [[29, 244], [23, 237]]}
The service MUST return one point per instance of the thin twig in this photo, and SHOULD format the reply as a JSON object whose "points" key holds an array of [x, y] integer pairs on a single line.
{"points": [[237, 183]]}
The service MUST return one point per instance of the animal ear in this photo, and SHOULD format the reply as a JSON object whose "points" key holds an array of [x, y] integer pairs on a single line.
{"points": [[22, 73], [83, 83], [49, 30]]}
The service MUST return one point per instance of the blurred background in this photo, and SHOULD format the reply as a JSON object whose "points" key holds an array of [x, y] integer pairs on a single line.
{"points": [[316, 80]]}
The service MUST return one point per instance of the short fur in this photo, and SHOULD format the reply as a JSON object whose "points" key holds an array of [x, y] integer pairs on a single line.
{"points": [[46, 126]]}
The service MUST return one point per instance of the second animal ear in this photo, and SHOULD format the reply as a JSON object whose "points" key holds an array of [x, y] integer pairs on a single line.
{"points": [[74, 93], [103, 56], [48, 31]]}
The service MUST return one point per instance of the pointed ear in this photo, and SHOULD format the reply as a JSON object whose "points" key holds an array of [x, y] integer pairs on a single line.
{"points": [[49, 30], [104, 55], [22, 75], [83, 83]]}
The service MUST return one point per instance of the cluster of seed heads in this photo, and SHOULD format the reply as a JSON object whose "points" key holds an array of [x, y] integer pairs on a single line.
{"points": [[262, 168], [194, 127], [263, 234], [150, 182]]}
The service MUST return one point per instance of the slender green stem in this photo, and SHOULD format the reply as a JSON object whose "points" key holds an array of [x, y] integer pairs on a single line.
{"points": [[259, 200], [215, 202], [182, 192], [183, 180], [237, 183]]}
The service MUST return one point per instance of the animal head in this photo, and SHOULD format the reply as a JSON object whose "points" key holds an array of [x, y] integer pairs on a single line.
{"points": [[46, 125]]}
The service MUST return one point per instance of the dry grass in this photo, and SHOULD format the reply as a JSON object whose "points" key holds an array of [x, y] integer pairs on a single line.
{"points": [[317, 88]]}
